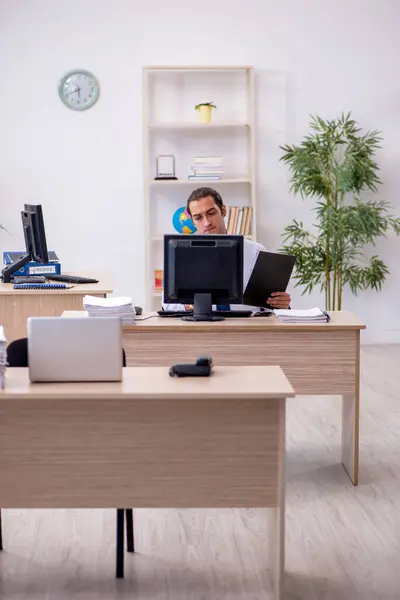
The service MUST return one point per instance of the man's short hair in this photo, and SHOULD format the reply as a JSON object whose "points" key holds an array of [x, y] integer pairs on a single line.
{"points": [[203, 193]]}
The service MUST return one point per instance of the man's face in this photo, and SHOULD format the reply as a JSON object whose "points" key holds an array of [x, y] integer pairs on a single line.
{"points": [[206, 215]]}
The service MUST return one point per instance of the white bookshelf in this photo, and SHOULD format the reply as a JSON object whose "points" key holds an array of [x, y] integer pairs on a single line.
{"points": [[171, 127]]}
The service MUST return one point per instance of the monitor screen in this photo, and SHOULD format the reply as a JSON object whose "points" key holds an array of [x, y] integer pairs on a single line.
{"points": [[34, 232], [206, 267]]}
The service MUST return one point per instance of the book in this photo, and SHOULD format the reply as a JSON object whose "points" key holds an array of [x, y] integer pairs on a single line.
{"points": [[239, 220], [310, 315], [206, 167]]}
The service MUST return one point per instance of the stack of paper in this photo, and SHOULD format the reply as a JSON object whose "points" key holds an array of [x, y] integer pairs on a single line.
{"points": [[109, 307], [3, 357], [311, 315]]}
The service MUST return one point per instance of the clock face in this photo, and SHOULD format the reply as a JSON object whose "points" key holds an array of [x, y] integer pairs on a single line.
{"points": [[79, 89]]}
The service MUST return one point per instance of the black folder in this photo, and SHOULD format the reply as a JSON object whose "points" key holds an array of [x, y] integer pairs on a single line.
{"points": [[271, 273]]}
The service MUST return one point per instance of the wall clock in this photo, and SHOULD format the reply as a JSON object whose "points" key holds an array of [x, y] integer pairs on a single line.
{"points": [[79, 89]]}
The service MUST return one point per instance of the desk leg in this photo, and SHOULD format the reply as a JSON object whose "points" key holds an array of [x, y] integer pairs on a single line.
{"points": [[276, 520], [350, 436], [120, 544], [351, 425], [276, 534], [130, 539]]}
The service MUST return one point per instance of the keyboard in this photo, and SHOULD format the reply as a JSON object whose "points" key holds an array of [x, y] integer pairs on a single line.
{"points": [[71, 279], [228, 314], [41, 286]]}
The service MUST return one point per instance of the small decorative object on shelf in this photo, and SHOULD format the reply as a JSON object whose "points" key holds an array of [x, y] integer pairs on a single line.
{"points": [[206, 167], [205, 111], [182, 221], [158, 279], [166, 167]]}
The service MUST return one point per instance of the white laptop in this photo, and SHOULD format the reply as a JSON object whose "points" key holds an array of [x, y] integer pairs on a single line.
{"points": [[77, 349]]}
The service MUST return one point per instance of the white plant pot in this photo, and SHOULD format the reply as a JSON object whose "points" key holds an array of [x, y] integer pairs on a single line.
{"points": [[205, 113]]}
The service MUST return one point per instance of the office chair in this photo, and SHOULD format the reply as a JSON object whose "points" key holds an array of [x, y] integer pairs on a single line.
{"points": [[17, 356]]}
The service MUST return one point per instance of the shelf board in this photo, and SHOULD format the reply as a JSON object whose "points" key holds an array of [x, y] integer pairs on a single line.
{"points": [[196, 126], [199, 181], [211, 69]]}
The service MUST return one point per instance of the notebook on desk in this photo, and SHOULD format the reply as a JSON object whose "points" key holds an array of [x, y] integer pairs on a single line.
{"points": [[271, 273]]}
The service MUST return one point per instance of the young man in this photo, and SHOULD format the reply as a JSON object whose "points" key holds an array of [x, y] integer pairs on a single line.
{"points": [[208, 213]]}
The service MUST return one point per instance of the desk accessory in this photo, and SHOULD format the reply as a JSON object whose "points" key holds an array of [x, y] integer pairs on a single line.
{"points": [[227, 314], [72, 279], [41, 286], [30, 279], [201, 368], [31, 267], [79, 89], [165, 167], [310, 315], [121, 307]]}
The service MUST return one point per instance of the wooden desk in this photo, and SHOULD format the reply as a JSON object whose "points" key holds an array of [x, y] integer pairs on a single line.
{"points": [[17, 305], [150, 441], [318, 358]]}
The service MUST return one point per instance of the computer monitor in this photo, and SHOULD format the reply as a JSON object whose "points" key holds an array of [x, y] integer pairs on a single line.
{"points": [[34, 214], [203, 270], [35, 240]]}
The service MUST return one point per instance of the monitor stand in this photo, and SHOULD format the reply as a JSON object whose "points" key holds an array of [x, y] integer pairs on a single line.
{"points": [[9, 271], [202, 309]]}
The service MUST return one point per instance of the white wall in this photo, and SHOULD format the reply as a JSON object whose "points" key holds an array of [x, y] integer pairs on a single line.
{"points": [[311, 57]]}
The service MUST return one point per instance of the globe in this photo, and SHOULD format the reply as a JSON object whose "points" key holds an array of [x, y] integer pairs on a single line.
{"points": [[182, 221]]}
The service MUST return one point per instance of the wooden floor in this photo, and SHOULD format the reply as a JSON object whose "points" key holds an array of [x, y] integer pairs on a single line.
{"points": [[343, 543]]}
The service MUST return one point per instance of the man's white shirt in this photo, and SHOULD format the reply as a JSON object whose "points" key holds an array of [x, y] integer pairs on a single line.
{"points": [[250, 253]]}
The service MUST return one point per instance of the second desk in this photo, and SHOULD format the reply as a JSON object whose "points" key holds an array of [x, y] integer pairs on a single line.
{"points": [[317, 358], [17, 305]]}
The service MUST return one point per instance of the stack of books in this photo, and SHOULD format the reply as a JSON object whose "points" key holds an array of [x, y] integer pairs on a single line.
{"points": [[311, 315], [110, 307], [3, 357], [206, 167], [239, 220]]}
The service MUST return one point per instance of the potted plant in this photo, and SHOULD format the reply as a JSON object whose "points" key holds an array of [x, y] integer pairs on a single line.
{"points": [[205, 111], [335, 164]]}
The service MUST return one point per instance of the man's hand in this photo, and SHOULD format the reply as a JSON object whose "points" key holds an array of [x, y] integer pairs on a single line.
{"points": [[279, 300], [189, 307]]}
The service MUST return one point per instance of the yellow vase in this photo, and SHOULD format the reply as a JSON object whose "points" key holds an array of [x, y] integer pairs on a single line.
{"points": [[205, 114]]}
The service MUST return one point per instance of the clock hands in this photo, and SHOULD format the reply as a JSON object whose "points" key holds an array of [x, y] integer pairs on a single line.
{"points": [[78, 89]]}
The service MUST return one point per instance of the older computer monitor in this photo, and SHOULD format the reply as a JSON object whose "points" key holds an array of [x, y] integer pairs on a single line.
{"points": [[32, 218], [35, 240], [203, 270]]}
